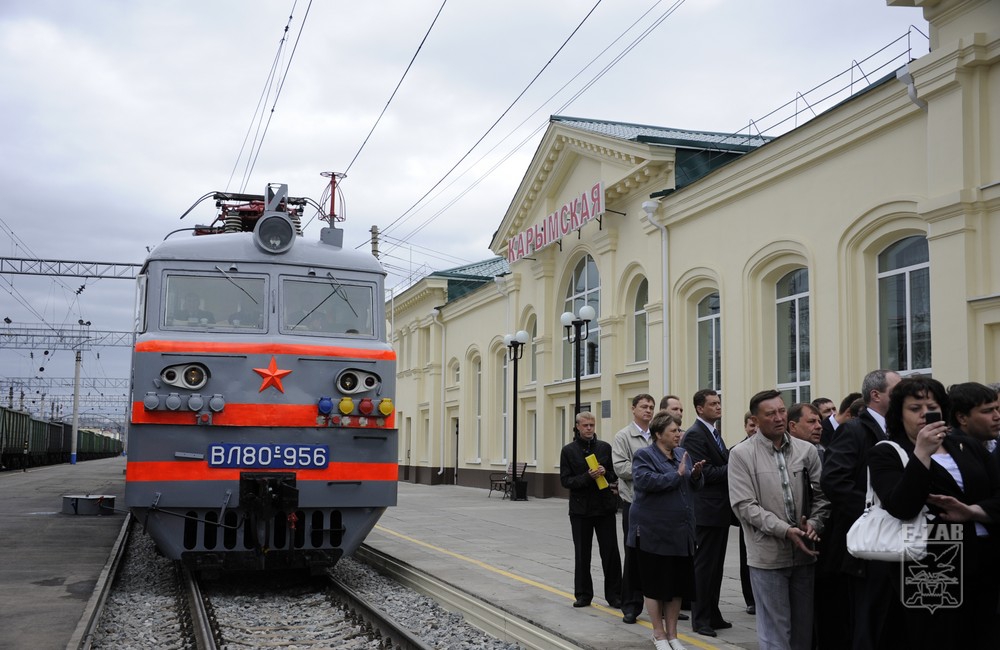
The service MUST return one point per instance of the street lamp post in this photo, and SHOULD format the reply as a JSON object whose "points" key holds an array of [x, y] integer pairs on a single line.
{"points": [[580, 324], [515, 350]]}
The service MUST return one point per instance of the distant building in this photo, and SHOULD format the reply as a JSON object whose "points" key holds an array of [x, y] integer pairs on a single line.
{"points": [[861, 239]]}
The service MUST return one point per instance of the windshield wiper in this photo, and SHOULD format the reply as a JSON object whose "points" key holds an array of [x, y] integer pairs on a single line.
{"points": [[339, 288], [228, 277]]}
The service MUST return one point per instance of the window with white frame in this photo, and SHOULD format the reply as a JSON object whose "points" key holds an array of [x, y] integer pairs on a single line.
{"points": [[506, 399], [533, 351], [904, 306], [477, 368], [640, 328], [792, 325], [584, 289], [710, 343]]}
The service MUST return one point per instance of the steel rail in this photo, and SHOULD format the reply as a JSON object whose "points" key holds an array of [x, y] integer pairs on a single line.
{"points": [[487, 617], [201, 625], [83, 636], [397, 635]]}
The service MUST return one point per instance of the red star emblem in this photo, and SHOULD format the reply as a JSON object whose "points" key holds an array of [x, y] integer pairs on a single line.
{"points": [[272, 376]]}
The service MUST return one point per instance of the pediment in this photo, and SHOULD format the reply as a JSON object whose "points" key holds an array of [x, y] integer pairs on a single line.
{"points": [[568, 162]]}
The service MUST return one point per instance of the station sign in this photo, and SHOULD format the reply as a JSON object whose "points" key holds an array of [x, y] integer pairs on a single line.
{"points": [[572, 216]]}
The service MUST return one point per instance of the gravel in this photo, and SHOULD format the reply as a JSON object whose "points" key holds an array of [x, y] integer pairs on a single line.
{"points": [[145, 610]]}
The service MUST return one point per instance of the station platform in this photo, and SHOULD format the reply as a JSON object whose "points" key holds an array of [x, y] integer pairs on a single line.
{"points": [[519, 555], [50, 561]]}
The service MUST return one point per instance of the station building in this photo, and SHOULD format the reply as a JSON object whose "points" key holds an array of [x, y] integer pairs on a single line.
{"points": [[861, 239]]}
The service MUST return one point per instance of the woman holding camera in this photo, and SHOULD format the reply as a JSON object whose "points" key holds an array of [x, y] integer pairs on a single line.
{"points": [[946, 596]]}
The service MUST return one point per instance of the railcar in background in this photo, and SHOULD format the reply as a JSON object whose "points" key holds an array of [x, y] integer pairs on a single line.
{"points": [[27, 441], [263, 425]]}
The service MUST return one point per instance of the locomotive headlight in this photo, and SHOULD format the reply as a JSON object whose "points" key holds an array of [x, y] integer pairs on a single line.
{"points": [[366, 407], [195, 377], [191, 376], [353, 381], [347, 382], [274, 233]]}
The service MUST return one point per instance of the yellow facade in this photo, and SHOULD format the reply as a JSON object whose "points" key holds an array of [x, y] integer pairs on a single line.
{"points": [[838, 197]]}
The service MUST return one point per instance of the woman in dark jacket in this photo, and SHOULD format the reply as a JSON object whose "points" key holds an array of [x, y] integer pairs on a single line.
{"points": [[661, 526], [948, 598]]}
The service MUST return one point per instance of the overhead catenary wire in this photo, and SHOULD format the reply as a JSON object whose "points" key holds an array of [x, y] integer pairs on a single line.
{"points": [[263, 126], [497, 121], [396, 89], [635, 42]]}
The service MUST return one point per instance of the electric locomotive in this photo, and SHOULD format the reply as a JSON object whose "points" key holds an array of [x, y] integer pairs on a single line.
{"points": [[263, 425]]}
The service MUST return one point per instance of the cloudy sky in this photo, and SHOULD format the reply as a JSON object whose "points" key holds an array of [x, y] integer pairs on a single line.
{"points": [[118, 115]]}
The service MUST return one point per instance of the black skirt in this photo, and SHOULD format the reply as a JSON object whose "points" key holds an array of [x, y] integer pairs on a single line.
{"points": [[663, 577]]}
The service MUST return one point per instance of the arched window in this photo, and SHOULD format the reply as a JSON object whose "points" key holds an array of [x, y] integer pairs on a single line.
{"points": [[640, 329], [904, 306], [792, 324], [710, 343], [584, 289]]}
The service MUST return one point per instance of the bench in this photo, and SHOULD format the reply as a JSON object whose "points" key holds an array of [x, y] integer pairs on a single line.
{"points": [[502, 481]]}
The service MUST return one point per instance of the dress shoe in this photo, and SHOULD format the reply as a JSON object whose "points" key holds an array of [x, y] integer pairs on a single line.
{"points": [[629, 619], [752, 610], [581, 602], [721, 625], [705, 631], [682, 617], [615, 604]]}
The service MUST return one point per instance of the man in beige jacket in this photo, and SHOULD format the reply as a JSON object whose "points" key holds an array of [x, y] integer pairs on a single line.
{"points": [[627, 441], [774, 491]]}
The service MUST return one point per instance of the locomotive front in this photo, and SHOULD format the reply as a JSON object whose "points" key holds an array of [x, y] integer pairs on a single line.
{"points": [[263, 425]]}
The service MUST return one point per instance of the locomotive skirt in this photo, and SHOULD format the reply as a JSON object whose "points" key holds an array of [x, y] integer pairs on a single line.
{"points": [[663, 577]]}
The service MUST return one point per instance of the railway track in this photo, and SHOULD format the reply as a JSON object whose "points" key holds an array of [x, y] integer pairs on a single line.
{"points": [[146, 601]]}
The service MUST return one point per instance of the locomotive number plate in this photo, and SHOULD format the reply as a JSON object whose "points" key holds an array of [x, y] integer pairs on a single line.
{"points": [[273, 456]]}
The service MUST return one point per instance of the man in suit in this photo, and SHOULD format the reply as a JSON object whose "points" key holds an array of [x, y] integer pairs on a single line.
{"points": [[711, 510], [629, 440], [833, 421], [845, 482]]}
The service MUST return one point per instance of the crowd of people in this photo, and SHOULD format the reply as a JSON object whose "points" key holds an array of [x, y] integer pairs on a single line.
{"points": [[795, 485]]}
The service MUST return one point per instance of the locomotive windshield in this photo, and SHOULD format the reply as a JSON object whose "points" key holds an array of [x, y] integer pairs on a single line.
{"points": [[327, 307], [219, 301]]}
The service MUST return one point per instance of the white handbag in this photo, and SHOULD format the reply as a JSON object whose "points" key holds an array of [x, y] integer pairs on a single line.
{"points": [[877, 535]]}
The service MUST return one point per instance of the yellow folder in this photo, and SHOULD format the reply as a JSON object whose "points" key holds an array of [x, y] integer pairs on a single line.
{"points": [[592, 463]]}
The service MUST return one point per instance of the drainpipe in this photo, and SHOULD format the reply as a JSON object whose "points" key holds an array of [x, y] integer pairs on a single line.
{"points": [[434, 315], [650, 208]]}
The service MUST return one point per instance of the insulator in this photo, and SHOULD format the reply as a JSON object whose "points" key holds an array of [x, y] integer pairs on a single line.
{"points": [[233, 222], [297, 220]]}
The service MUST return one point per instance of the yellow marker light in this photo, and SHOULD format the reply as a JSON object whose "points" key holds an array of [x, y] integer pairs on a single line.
{"points": [[385, 406], [346, 405]]}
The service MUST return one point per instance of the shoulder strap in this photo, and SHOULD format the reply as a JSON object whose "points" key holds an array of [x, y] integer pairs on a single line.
{"points": [[870, 497]]}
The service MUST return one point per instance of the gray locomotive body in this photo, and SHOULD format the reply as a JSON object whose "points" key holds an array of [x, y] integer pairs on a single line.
{"points": [[263, 425]]}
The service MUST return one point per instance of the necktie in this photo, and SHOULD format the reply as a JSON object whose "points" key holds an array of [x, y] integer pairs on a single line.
{"points": [[718, 439]]}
